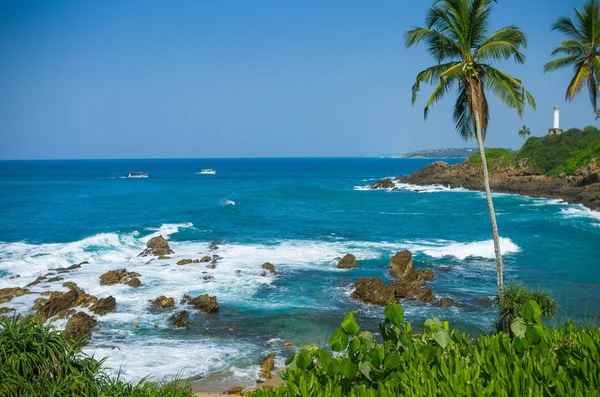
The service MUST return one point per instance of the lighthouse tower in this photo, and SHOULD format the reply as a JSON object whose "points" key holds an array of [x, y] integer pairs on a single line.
{"points": [[556, 129]]}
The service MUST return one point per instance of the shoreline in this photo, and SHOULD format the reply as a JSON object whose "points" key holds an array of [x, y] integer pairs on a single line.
{"points": [[200, 390]]}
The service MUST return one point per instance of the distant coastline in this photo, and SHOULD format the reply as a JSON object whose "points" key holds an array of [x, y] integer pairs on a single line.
{"points": [[440, 153]]}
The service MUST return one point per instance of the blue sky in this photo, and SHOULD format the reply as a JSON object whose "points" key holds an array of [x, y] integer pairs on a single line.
{"points": [[223, 78]]}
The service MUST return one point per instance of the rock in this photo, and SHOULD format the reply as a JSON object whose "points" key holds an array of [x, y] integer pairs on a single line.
{"points": [[66, 269], [161, 257], [157, 246], [205, 259], [383, 184], [15, 276], [239, 390], [213, 266], [162, 302], [207, 278], [180, 319], [205, 303], [57, 304], [185, 299], [104, 305], [38, 303], [184, 262], [16, 291], [267, 366], [347, 262], [85, 300], [269, 267], [401, 264], [4, 310], [79, 326], [214, 246], [372, 291], [64, 314], [233, 328], [446, 302], [71, 285], [6, 298], [51, 294], [196, 261], [426, 295], [53, 279], [36, 281], [120, 276]]}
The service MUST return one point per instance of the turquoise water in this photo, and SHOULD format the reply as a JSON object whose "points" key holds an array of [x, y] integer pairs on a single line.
{"points": [[300, 215]]}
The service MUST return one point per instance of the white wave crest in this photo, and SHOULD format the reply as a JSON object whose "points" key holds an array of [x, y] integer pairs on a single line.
{"points": [[228, 202], [480, 249], [579, 211]]}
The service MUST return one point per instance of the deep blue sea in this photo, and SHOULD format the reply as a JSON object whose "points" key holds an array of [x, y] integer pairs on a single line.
{"points": [[300, 215]]}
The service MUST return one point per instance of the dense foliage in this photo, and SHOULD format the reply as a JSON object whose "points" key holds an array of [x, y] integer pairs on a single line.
{"points": [[514, 298], [35, 360], [551, 154], [439, 361]]}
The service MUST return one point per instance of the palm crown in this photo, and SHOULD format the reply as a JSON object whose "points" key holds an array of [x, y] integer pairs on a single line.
{"points": [[580, 50], [457, 37]]}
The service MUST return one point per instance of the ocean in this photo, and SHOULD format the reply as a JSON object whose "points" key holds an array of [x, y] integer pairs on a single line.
{"points": [[301, 215]]}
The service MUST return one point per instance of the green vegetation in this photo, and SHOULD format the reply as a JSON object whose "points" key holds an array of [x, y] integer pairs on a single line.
{"points": [[580, 50], [35, 360], [439, 361], [524, 132], [552, 154], [514, 299]]}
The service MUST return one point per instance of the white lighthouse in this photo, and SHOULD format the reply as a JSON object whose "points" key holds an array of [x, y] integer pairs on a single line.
{"points": [[556, 129]]}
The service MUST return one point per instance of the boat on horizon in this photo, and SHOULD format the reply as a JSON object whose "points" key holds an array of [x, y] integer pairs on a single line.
{"points": [[136, 174], [207, 171]]}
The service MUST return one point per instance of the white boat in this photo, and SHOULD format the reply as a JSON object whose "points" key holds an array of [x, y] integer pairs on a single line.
{"points": [[137, 174], [207, 171]]}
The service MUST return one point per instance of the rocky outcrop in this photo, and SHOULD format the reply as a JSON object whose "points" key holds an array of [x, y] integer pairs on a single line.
{"points": [[58, 304], [582, 188], [120, 276], [205, 303], [180, 319], [162, 302], [157, 246], [267, 366], [401, 264], [269, 268], [104, 305], [16, 291], [79, 326], [383, 184], [72, 267], [205, 259], [372, 291], [235, 390], [184, 262], [446, 302], [347, 262]]}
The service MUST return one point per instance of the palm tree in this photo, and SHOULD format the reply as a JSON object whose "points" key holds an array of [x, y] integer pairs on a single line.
{"points": [[524, 132], [580, 50], [457, 37]]}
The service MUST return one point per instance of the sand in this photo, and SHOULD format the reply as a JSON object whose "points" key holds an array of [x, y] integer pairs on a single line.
{"points": [[274, 381]]}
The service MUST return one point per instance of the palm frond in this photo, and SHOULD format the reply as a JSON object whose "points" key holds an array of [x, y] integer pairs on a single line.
{"points": [[565, 26], [571, 47], [569, 60], [502, 45], [578, 81], [430, 75], [508, 89], [462, 114], [438, 93], [440, 46]]}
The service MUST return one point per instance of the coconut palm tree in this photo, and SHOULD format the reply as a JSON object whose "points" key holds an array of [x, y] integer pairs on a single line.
{"points": [[524, 132], [580, 50], [457, 36]]}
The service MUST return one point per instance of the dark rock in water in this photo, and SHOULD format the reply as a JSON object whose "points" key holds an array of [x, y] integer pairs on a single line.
{"points": [[196, 261], [72, 267], [212, 266], [53, 279], [205, 303], [484, 301], [16, 291], [426, 295], [269, 267], [162, 302], [446, 302], [214, 245], [157, 246], [120, 276], [6, 298], [163, 257], [180, 319], [233, 328], [104, 305], [267, 366], [36, 281], [15, 276], [383, 184], [239, 390], [205, 259], [134, 282], [373, 291], [238, 271], [184, 262], [207, 278], [79, 326], [55, 305], [185, 299], [347, 262], [401, 264]]}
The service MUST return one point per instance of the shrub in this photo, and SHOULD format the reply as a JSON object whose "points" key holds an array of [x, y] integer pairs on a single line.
{"points": [[514, 296], [495, 158]]}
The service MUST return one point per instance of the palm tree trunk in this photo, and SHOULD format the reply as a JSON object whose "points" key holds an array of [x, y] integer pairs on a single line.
{"points": [[488, 194]]}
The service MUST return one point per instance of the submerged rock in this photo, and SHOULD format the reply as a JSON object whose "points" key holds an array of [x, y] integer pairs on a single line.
{"points": [[383, 184], [79, 326], [269, 267], [157, 246], [205, 303], [162, 302], [267, 366], [104, 305], [347, 262], [446, 302], [401, 264], [180, 319]]}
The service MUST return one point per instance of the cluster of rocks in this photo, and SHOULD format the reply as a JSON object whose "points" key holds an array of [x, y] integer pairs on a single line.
{"points": [[121, 276], [583, 187]]}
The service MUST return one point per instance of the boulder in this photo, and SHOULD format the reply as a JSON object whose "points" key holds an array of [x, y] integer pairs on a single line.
{"points": [[6, 298], [205, 259], [163, 257], [36, 281], [79, 326], [373, 291], [267, 366], [16, 291], [162, 302], [269, 267], [214, 246], [184, 262], [196, 261], [237, 390], [347, 262], [180, 319], [134, 282], [446, 302], [383, 184], [157, 246], [53, 279], [57, 304], [401, 264], [205, 303], [104, 305], [120, 276]]}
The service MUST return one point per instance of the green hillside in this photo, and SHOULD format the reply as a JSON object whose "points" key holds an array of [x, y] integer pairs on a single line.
{"points": [[552, 154]]}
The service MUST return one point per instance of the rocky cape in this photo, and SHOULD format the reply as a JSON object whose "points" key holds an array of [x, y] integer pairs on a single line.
{"points": [[581, 188]]}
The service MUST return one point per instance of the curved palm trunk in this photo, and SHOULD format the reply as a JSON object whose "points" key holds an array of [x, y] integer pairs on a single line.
{"points": [[488, 194]]}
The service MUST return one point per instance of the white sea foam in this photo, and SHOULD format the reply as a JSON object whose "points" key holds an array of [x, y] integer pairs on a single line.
{"points": [[579, 211], [480, 249], [228, 202], [436, 188]]}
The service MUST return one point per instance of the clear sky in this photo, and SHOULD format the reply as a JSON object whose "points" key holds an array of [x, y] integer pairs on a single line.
{"points": [[260, 78]]}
